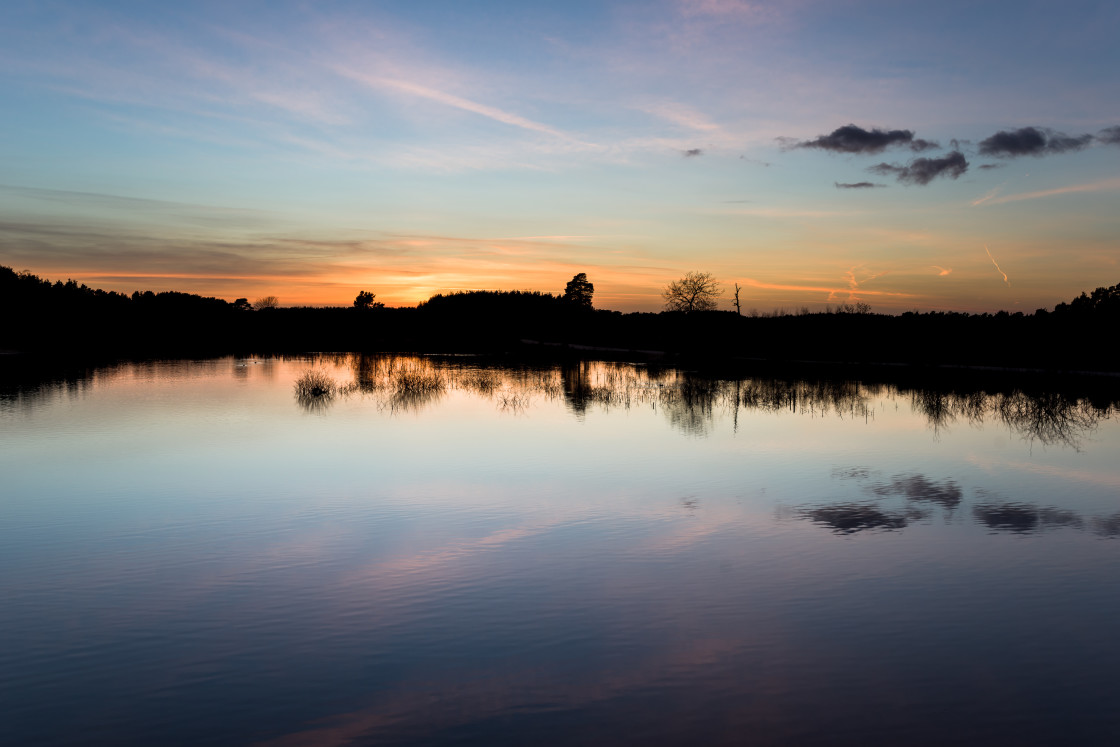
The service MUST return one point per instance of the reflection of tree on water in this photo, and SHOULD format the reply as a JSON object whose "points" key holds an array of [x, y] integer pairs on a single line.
{"points": [[839, 397], [690, 401], [1049, 417], [577, 385], [690, 406], [936, 407]]}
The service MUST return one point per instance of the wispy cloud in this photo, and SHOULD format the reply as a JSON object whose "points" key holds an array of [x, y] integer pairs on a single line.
{"points": [[988, 196], [942, 271], [1105, 185], [452, 100], [726, 8], [680, 114], [829, 291], [854, 283], [786, 212], [1001, 272]]}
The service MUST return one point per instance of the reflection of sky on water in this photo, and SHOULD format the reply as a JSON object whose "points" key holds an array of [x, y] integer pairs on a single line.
{"points": [[188, 550]]}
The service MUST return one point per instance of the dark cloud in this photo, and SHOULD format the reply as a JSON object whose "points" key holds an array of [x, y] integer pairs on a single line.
{"points": [[853, 139], [1110, 136], [1031, 141], [692, 152], [924, 170], [989, 166], [857, 185]]}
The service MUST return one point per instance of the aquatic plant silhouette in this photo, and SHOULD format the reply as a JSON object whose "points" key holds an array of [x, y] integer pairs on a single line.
{"points": [[315, 390]]}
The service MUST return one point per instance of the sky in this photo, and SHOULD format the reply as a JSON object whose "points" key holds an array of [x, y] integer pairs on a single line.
{"points": [[912, 156]]}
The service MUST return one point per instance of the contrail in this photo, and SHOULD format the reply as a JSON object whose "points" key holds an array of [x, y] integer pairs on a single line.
{"points": [[1001, 272]]}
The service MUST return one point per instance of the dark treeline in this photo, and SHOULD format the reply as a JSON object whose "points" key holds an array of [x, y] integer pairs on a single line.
{"points": [[75, 320]]}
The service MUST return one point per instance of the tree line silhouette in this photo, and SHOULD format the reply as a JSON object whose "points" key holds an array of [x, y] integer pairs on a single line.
{"points": [[74, 319]]}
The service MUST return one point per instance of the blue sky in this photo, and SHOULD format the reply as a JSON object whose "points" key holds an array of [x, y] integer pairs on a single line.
{"points": [[310, 150]]}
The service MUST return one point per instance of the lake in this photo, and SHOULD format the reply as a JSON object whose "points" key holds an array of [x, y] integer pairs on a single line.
{"points": [[345, 549]]}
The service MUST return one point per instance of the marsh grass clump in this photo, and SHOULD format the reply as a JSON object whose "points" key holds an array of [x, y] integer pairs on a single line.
{"points": [[419, 382], [512, 401], [315, 384], [480, 381], [316, 390]]}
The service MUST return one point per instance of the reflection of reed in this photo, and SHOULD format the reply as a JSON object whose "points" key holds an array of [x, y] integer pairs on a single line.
{"points": [[690, 401]]}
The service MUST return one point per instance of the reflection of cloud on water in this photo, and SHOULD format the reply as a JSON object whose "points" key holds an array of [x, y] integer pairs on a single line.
{"points": [[677, 541], [473, 696], [1023, 518], [920, 488], [999, 515], [449, 557], [849, 518], [851, 473], [1106, 526], [1065, 474], [913, 486]]}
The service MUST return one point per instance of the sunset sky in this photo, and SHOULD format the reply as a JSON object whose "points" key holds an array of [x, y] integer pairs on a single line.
{"points": [[950, 155]]}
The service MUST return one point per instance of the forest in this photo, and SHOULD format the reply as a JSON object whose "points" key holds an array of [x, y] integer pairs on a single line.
{"points": [[68, 319]]}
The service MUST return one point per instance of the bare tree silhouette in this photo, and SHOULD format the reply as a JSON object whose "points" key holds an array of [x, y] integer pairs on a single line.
{"points": [[696, 291]]}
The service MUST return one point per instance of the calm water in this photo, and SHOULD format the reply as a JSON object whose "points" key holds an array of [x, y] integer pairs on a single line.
{"points": [[440, 552]]}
